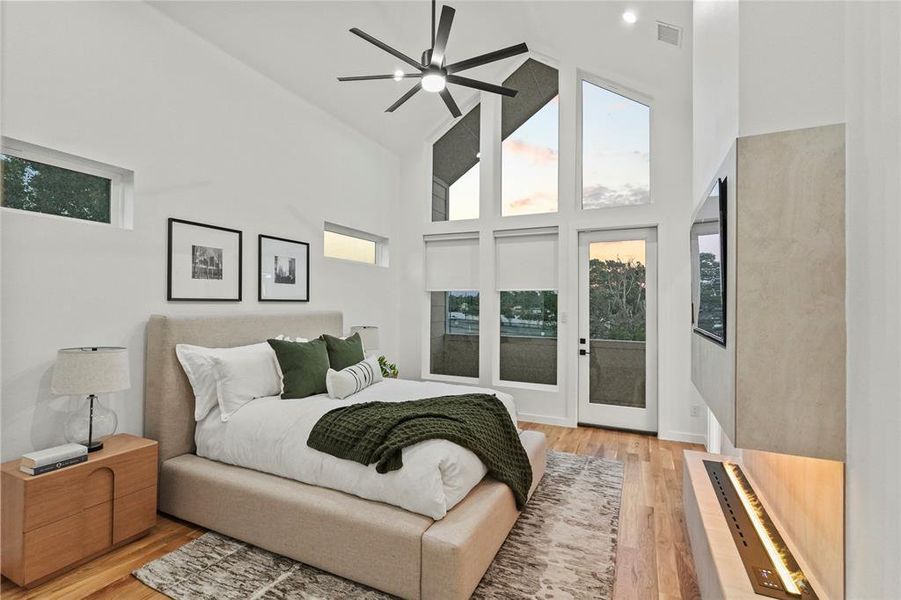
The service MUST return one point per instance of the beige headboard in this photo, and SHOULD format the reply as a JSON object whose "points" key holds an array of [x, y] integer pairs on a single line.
{"points": [[168, 399]]}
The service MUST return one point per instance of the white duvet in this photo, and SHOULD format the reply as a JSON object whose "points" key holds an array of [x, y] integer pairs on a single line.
{"points": [[270, 435]]}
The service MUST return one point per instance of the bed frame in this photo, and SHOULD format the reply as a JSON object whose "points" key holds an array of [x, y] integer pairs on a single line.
{"points": [[376, 544]]}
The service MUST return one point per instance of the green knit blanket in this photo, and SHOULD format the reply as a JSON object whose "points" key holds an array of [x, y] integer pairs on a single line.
{"points": [[377, 432]]}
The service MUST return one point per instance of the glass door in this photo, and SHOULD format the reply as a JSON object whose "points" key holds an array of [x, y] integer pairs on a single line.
{"points": [[617, 342]]}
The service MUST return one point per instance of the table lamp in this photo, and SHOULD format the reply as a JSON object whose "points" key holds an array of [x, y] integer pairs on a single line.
{"points": [[87, 372]]}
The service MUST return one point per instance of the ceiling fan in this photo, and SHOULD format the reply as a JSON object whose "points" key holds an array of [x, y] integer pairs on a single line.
{"points": [[432, 73]]}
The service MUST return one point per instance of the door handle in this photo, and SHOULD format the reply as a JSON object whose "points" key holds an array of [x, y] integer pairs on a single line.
{"points": [[583, 352]]}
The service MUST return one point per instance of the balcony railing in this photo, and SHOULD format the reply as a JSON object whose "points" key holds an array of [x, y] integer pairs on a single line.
{"points": [[616, 367], [616, 373]]}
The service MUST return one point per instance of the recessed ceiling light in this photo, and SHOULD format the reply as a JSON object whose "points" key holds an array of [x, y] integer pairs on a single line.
{"points": [[629, 17], [398, 75], [433, 82]]}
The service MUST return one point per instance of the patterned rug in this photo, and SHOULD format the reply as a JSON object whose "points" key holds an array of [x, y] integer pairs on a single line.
{"points": [[562, 546]]}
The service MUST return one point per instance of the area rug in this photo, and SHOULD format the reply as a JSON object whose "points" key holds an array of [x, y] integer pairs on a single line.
{"points": [[562, 546]]}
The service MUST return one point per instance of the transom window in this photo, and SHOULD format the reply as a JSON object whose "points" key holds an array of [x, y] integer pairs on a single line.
{"points": [[615, 149], [354, 245], [529, 130], [45, 181], [455, 171]]}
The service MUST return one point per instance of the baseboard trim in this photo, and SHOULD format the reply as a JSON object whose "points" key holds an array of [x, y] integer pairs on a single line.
{"points": [[682, 436], [545, 420]]}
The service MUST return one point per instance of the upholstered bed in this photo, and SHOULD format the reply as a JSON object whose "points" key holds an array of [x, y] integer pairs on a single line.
{"points": [[388, 548]]}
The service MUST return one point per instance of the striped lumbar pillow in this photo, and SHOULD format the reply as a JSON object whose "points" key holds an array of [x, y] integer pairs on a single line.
{"points": [[349, 381]]}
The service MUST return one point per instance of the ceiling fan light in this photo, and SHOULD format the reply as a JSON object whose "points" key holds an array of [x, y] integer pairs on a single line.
{"points": [[433, 82], [398, 75]]}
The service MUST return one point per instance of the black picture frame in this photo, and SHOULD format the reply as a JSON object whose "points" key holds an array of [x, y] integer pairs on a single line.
{"points": [[260, 271], [240, 260]]}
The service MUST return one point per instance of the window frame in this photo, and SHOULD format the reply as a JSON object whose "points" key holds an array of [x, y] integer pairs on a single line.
{"points": [[121, 180], [630, 94], [382, 254]]}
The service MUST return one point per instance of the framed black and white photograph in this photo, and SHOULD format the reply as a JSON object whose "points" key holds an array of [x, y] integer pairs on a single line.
{"points": [[204, 262], [284, 270]]}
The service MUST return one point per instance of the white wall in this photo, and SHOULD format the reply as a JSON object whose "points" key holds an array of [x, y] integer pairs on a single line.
{"points": [[714, 88], [208, 140], [873, 475], [791, 65], [582, 40], [761, 66]]}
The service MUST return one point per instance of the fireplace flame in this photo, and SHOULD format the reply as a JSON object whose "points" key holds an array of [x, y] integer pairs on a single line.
{"points": [[755, 510]]}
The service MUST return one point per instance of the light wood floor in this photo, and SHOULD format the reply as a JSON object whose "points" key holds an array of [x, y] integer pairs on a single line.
{"points": [[653, 555]]}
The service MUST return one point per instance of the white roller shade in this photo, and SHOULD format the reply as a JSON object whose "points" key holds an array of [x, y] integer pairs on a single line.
{"points": [[526, 261], [452, 263]]}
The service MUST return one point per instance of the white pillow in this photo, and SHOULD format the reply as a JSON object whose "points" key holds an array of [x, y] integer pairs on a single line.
{"points": [[244, 374], [288, 338], [197, 363], [349, 381]]}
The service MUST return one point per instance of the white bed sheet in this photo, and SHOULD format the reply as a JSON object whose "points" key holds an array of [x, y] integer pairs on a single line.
{"points": [[270, 435]]}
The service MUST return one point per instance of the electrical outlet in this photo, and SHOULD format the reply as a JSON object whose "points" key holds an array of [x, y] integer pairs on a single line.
{"points": [[697, 410]]}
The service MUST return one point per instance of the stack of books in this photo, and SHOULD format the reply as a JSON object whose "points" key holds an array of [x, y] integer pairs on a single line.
{"points": [[51, 459]]}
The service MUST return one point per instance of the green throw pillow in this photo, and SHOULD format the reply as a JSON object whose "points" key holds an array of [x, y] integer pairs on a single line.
{"points": [[304, 365], [343, 353]]}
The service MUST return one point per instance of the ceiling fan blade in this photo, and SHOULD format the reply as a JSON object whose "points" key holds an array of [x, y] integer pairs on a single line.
{"points": [[444, 27], [368, 77], [481, 85], [386, 48], [487, 58], [404, 98], [449, 101]]}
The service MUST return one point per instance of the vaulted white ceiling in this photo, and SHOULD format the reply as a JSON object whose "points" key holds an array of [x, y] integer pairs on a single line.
{"points": [[304, 46]]}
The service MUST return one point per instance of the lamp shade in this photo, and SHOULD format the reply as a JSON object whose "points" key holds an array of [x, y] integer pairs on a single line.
{"points": [[369, 335], [91, 370]]}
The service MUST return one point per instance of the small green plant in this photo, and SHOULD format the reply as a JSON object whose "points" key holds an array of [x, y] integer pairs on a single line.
{"points": [[389, 370]]}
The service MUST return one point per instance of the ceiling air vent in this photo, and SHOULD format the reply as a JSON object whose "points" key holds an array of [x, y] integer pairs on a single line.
{"points": [[669, 34]]}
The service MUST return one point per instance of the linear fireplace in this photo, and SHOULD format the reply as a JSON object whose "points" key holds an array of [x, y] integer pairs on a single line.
{"points": [[770, 565]]}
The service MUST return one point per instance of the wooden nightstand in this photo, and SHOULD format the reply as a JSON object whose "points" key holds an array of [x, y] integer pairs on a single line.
{"points": [[55, 521]]}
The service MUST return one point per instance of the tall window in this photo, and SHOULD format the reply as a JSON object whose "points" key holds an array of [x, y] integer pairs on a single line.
{"points": [[455, 171], [615, 149], [527, 286], [44, 181], [529, 130], [452, 281]]}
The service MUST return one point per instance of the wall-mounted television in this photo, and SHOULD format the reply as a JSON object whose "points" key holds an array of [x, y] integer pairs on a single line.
{"points": [[708, 266]]}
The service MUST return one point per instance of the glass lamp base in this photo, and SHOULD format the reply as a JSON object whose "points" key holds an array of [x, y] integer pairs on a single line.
{"points": [[84, 424]]}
